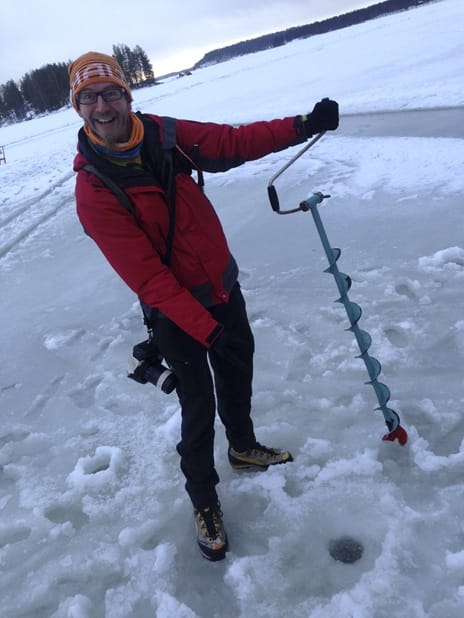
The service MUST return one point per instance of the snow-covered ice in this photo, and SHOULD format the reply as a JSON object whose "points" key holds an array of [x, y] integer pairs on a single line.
{"points": [[94, 519]]}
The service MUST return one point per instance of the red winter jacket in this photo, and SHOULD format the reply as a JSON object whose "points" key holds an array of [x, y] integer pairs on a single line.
{"points": [[202, 271]]}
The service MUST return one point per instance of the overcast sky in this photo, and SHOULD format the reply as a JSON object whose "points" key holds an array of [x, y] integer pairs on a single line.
{"points": [[174, 33]]}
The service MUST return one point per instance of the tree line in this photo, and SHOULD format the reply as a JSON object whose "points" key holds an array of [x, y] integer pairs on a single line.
{"points": [[47, 89], [275, 39]]}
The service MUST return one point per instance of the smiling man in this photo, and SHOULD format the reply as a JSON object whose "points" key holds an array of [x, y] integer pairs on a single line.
{"points": [[164, 238], [102, 98], [104, 108]]}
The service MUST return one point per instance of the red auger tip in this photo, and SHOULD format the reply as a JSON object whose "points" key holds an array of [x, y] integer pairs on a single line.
{"points": [[399, 434]]}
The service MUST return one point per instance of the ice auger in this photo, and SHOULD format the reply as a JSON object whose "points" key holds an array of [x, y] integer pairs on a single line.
{"points": [[353, 310]]}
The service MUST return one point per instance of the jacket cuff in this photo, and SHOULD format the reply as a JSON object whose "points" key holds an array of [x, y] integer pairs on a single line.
{"points": [[299, 125], [303, 126]]}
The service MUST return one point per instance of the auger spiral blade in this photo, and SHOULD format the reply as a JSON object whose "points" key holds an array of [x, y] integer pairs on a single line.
{"points": [[364, 341], [354, 313], [373, 367]]}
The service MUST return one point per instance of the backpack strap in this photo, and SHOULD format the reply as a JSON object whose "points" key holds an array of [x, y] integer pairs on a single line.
{"points": [[114, 188], [169, 175], [159, 154]]}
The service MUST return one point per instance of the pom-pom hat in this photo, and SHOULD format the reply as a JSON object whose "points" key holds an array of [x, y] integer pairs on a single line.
{"points": [[95, 68]]}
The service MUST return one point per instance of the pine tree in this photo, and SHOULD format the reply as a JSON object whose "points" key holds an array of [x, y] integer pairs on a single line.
{"points": [[46, 89], [135, 64], [123, 55], [3, 110], [148, 75], [13, 101]]}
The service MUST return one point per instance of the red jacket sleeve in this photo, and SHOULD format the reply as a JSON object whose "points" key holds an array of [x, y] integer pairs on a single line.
{"points": [[219, 147]]}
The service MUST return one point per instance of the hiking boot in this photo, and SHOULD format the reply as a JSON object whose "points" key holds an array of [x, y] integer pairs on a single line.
{"points": [[258, 457], [211, 536]]}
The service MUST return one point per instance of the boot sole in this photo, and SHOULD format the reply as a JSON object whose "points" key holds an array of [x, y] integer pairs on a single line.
{"points": [[247, 466]]}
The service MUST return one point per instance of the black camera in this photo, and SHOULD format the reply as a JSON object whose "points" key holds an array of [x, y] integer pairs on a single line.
{"points": [[146, 366]]}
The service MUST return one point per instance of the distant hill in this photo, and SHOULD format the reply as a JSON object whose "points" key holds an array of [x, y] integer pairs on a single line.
{"points": [[282, 37]]}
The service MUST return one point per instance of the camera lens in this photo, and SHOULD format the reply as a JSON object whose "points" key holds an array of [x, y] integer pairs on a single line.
{"points": [[161, 377], [167, 382], [146, 366]]}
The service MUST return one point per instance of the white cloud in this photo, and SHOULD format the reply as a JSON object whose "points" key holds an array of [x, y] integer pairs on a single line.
{"points": [[176, 34]]}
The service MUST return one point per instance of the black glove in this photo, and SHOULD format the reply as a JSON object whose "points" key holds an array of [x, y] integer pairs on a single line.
{"points": [[324, 117], [232, 350]]}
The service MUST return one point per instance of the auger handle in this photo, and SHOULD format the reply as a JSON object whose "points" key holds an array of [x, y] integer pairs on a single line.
{"points": [[271, 190]]}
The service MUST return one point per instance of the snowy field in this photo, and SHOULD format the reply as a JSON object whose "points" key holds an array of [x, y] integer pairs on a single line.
{"points": [[95, 522]]}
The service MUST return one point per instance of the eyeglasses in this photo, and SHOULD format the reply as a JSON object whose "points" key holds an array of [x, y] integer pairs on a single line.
{"points": [[89, 97]]}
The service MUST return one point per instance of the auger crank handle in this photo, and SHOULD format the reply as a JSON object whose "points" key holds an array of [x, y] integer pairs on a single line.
{"points": [[271, 190]]}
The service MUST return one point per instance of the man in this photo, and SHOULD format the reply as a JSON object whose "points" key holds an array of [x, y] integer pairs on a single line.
{"points": [[172, 252]]}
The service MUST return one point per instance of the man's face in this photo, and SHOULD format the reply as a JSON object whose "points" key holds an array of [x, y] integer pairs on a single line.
{"points": [[109, 120]]}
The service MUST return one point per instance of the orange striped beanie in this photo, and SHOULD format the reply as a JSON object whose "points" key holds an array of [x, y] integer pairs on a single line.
{"points": [[94, 68]]}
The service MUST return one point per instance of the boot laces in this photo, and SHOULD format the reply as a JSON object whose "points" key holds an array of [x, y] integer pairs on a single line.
{"points": [[260, 449], [210, 522]]}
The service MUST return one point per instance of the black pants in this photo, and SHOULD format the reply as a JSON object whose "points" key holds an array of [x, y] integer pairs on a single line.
{"points": [[196, 391]]}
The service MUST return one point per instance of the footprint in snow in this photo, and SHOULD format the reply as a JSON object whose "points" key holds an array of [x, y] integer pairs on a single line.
{"points": [[100, 471], [15, 435], [63, 513], [396, 336], [84, 394], [11, 534], [408, 288]]}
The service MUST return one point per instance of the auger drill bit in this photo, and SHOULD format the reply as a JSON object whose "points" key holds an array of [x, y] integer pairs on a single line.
{"points": [[354, 312]]}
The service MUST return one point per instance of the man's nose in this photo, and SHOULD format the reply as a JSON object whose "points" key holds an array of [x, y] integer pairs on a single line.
{"points": [[101, 104]]}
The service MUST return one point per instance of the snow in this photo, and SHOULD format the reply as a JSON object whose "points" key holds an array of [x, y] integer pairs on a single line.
{"points": [[94, 518]]}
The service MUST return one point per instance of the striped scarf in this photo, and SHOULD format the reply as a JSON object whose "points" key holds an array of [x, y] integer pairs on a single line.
{"points": [[125, 152]]}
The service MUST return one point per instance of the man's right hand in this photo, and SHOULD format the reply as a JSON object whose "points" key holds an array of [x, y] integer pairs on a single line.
{"points": [[324, 117], [231, 350]]}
